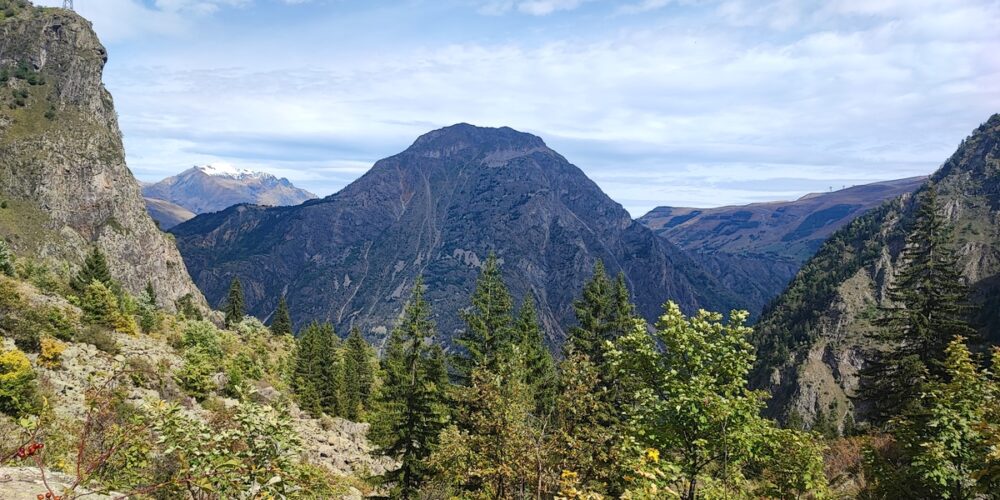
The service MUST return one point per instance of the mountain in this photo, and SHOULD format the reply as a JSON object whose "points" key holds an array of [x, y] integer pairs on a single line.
{"points": [[210, 188], [166, 214], [63, 176], [812, 340], [438, 209], [757, 248]]}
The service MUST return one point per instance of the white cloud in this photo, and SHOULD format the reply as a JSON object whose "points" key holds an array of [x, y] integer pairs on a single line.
{"points": [[532, 7]]}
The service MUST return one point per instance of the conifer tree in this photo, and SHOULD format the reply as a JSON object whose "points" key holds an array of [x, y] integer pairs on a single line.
{"points": [[412, 400], [150, 297], [282, 323], [927, 309], [95, 268], [317, 372], [540, 374], [234, 303], [6, 259], [592, 312], [358, 376], [489, 323]]}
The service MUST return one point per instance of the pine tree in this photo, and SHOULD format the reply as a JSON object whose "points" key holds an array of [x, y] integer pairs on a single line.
{"points": [[358, 376], [317, 372], [150, 297], [412, 400], [592, 312], [95, 268], [6, 259], [540, 372], [928, 309], [282, 323], [489, 323], [234, 303]]}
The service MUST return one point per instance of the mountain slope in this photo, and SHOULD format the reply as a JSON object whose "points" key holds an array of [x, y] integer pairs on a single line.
{"points": [[758, 248], [438, 209], [813, 338], [62, 166], [210, 188], [166, 214]]}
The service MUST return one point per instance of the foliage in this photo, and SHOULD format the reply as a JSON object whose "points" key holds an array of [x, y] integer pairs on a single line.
{"points": [[489, 323], [187, 308], [100, 338], [50, 355], [927, 310], [195, 376], [95, 268], [539, 369], [359, 376], [282, 323], [18, 393], [6, 259], [412, 408], [100, 307], [234, 303], [318, 375]]}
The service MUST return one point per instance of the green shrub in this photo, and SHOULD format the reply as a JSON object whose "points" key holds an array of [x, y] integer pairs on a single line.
{"points": [[195, 377], [100, 338], [18, 392], [6, 257], [203, 336]]}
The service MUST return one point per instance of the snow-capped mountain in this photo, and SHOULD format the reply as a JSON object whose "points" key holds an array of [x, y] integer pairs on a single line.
{"points": [[216, 186]]}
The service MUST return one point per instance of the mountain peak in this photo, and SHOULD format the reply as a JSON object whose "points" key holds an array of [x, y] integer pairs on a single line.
{"points": [[229, 170], [450, 140]]}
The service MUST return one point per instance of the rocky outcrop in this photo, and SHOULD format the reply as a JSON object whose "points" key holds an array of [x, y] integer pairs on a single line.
{"points": [[756, 249], [62, 165], [812, 341], [437, 210]]}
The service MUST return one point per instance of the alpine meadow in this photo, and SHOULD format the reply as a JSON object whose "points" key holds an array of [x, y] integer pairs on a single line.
{"points": [[768, 265]]}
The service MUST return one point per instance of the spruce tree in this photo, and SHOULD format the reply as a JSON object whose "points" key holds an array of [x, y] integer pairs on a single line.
{"points": [[317, 373], [6, 259], [95, 268], [489, 323], [150, 297], [234, 303], [412, 400], [358, 376], [927, 308], [540, 372], [282, 323], [592, 312]]}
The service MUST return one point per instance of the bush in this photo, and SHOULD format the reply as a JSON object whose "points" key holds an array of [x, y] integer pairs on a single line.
{"points": [[6, 257], [18, 393], [204, 336], [51, 353], [101, 307], [99, 338], [195, 377]]}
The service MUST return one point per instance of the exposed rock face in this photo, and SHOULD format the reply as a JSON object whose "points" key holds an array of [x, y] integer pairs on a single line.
{"points": [[756, 249], [813, 339], [211, 188], [62, 166], [437, 210]]}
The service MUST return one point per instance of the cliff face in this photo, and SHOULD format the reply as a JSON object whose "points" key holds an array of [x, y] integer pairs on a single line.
{"points": [[812, 340], [62, 164], [437, 210]]}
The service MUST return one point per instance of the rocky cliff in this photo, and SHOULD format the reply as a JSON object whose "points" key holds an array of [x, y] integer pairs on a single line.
{"points": [[756, 249], [812, 340], [62, 166], [437, 210]]}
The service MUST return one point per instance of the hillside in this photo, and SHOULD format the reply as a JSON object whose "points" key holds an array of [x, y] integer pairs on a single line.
{"points": [[437, 210], [210, 188], [813, 339], [758, 248], [63, 179], [166, 214]]}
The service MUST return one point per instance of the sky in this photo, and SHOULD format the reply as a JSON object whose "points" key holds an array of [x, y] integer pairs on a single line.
{"points": [[661, 102]]}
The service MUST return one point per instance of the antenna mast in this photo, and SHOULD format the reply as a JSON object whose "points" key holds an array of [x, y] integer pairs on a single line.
{"points": [[68, 4]]}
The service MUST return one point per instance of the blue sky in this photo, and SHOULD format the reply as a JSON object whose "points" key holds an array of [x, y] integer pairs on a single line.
{"points": [[661, 102]]}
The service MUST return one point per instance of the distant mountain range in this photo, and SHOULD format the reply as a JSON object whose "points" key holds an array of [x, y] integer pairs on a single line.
{"points": [[437, 210], [756, 249], [214, 187]]}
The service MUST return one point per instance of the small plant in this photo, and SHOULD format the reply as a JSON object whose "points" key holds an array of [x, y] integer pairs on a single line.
{"points": [[100, 338], [51, 353]]}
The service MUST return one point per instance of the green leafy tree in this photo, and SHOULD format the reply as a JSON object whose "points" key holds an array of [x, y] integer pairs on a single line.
{"points": [[282, 323], [412, 402], [18, 392], [95, 268], [234, 303], [6, 259], [489, 323], [928, 309], [694, 405], [359, 377]]}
